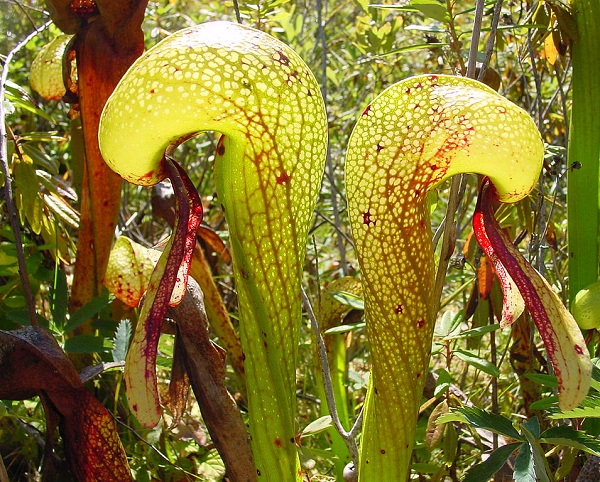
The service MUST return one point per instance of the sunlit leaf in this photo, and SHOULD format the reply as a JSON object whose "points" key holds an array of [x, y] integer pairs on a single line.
{"points": [[317, 426], [569, 437]]}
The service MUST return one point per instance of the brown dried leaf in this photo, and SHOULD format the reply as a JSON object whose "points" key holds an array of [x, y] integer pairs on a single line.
{"points": [[435, 431], [32, 363]]}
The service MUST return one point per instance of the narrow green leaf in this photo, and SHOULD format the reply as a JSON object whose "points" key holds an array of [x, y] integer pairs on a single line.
{"points": [[477, 362], [540, 465], [482, 330], [40, 158], [60, 296], [430, 8], [524, 470], [88, 310], [18, 96], [486, 470], [345, 328], [348, 299], [425, 468], [545, 403], [549, 381], [412, 48]]}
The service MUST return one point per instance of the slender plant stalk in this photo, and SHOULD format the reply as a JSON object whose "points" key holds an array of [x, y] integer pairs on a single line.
{"points": [[584, 148], [3, 474], [489, 47], [329, 161], [347, 436]]}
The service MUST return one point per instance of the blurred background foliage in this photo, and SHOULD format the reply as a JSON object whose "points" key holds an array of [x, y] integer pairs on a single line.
{"points": [[356, 49]]}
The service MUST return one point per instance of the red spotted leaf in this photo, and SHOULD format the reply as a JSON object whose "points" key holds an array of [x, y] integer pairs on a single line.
{"points": [[128, 272]]}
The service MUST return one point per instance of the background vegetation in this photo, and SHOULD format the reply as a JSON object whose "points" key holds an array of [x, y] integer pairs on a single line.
{"points": [[356, 50]]}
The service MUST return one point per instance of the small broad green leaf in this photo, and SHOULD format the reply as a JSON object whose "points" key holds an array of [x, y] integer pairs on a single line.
{"points": [[317, 426], [569, 437], [211, 467], [87, 311], [349, 299], [533, 425], [477, 362], [443, 383], [449, 324], [524, 469], [491, 421], [121, 341], [485, 470], [545, 403]]}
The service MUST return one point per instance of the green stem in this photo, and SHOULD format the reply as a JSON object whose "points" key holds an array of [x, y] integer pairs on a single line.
{"points": [[584, 148]]}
